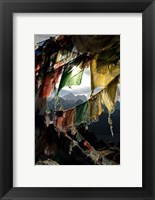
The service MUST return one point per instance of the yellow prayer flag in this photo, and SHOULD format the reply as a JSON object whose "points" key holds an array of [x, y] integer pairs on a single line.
{"points": [[109, 93], [95, 107], [102, 75]]}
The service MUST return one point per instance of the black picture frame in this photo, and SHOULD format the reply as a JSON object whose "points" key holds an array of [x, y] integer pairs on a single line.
{"points": [[7, 8]]}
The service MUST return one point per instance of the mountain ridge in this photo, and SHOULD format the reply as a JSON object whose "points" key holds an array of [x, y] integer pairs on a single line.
{"points": [[66, 102]]}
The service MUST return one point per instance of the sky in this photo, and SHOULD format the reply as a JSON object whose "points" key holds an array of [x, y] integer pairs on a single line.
{"points": [[39, 37]]}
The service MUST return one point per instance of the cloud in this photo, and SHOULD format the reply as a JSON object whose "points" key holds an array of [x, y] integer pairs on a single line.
{"points": [[76, 90]]}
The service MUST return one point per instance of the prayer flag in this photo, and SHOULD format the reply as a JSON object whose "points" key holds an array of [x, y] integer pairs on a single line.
{"points": [[102, 76], [108, 95], [49, 82], [82, 113], [95, 107], [72, 74]]}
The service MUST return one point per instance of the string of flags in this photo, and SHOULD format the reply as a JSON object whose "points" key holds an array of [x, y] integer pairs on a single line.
{"points": [[60, 62], [88, 111]]}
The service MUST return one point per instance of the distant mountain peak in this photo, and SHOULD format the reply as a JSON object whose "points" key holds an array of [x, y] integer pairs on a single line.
{"points": [[68, 101], [69, 96]]}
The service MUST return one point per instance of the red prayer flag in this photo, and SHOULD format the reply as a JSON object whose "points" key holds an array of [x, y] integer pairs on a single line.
{"points": [[49, 82]]}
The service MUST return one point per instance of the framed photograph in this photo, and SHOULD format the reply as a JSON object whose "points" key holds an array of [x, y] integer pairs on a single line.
{"points": [[77, 99]]}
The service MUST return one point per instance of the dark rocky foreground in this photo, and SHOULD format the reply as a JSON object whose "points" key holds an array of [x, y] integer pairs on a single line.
{"points": [[53, 148]]}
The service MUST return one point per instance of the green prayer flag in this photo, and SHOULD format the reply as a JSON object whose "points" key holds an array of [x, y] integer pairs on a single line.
{"points": [[82, 113], [72, 74]]}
